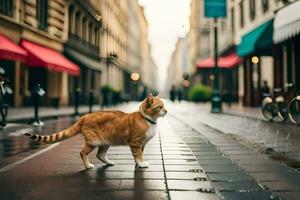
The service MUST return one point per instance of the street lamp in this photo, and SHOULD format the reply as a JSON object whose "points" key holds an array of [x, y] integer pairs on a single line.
{"points": [[255, 60], [215, 9], [135, 76]]}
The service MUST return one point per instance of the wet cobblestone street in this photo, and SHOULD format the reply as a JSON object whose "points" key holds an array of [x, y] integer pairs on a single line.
{"points": [[188, 159]]}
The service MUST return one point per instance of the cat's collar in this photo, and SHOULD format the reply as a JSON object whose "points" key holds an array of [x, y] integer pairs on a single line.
{"points": [[147, 117]]}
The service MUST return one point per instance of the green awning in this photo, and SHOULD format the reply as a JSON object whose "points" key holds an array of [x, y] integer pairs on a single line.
{"points": [[258, 41]]}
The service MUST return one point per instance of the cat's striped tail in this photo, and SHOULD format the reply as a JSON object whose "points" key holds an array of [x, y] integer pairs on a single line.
{"points": [[59, 136]]}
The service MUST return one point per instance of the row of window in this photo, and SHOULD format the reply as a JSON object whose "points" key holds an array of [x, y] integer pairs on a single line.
{"points": [[252, 9], [82, 27], [7, 7]]}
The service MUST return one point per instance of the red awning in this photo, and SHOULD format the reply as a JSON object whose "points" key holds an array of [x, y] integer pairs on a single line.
{"points": [[10, 51], [227, 62], [41, 56]]}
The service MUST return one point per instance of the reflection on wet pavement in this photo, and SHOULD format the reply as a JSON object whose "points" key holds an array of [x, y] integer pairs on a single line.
{"points": [[13, 142]]}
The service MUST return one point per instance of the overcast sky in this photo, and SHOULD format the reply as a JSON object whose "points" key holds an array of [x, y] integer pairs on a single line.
{"points": [[168, 20]]}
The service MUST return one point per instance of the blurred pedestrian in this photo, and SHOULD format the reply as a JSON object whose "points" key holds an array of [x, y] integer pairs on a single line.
{"points": [[173, 93], [179, 94], [265, 89]]}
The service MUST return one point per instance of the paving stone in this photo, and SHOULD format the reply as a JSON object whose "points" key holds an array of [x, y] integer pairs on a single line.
{"points": [[143, 185], [210, 157], [176, 152], [126, 157], [238, 186], [192, 195], [220, 168], [228, 176], [182, 156], [151, 162], [280, 186], [181, 162], [294, 195], [238, 152], [257, 195], [215, 162], [266, 176], [185, 175], [181, 168], [200, 153], [188, 185], [247, 161], [267, 168], [96, 194], [127, 175]]}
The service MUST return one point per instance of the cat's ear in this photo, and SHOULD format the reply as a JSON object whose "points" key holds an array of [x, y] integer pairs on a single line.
{"points": [[150, 99]]}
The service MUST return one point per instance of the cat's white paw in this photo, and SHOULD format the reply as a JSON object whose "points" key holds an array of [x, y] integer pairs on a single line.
{"points": [[108, 162], [143, 164], [90, 166]]}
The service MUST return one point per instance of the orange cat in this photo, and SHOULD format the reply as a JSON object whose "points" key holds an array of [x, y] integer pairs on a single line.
{"points": [[105, 128]]}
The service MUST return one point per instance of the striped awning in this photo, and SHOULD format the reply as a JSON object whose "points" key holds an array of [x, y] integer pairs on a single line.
{"points": [[287, 22]]}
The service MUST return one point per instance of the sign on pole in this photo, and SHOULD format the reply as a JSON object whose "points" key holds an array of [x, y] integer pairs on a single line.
{"points": [[215, 8]]}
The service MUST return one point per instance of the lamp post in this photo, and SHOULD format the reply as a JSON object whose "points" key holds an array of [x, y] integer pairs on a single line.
{"points": [[216, 99], [135, 77], [215, 9]]}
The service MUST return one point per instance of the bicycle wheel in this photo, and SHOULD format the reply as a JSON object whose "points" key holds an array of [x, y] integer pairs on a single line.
{"points": [[282, 111], [269, 108], [294, 110]]}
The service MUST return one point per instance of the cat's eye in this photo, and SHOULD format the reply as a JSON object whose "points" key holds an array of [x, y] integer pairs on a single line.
{"points": [[158, 108]]}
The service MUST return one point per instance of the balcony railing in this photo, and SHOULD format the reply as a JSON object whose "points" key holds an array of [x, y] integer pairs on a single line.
{"points": [[82, 45]]}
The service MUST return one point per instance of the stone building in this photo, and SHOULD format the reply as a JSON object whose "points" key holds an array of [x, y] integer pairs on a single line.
{"points": [[40, 28], [64, 45], [83, 48], [178, 64], [144, 49], [113, 42]]}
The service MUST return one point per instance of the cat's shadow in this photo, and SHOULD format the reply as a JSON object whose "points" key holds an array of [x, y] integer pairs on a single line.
{"points": [[135, 182]]}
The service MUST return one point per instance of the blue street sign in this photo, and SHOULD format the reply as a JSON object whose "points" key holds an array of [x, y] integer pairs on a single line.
{"points": [[215, 8]]}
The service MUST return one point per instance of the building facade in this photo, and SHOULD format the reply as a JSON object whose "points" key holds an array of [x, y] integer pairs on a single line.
{"points": [[75, 44], [201, 50], [83, 48], [40, 24], [178, 64], [254, 37], [248, 32]]}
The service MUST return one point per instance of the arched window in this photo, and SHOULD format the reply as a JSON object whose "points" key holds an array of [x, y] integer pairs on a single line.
{"points": [[71, 18], [97, 36], [90, 33], [42, 14], [77, 24], [6, 7], [84, 27]]}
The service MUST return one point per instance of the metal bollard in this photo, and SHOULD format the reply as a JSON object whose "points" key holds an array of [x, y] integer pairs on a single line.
{"points": [[91, 100], [77, 98], [2, 109], [37, 93]]}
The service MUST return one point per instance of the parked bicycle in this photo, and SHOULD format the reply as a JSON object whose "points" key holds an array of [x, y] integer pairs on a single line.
{"points": [[280, 105]]}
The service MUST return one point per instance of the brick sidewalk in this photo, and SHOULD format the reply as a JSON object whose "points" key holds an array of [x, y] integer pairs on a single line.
{"points": [[188, 160], [174, 172], [275, 177]]}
